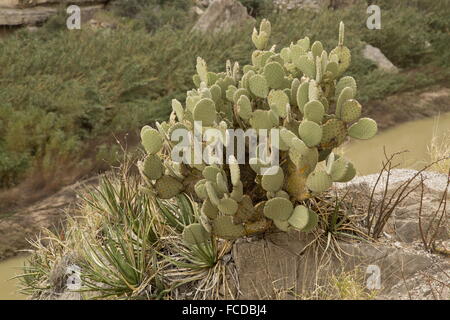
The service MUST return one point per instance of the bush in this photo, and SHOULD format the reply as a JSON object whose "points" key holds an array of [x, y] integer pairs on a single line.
{"points": [[258, 8]]}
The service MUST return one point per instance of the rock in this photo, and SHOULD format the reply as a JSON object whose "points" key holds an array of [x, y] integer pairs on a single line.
{"points": [[35, 3], [375, 55], [222, 15], [197, 10], [31, 12], [280, 262], [314, 4]]}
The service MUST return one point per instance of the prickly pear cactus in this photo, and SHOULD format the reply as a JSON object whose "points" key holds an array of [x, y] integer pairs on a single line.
{"points": [[299, 90]]}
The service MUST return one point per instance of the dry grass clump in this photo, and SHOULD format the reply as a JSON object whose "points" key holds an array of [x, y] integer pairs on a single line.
{"points": [[439, 151]]}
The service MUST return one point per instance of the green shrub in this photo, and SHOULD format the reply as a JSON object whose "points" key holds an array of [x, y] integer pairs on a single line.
{"points": [[258, 8]]}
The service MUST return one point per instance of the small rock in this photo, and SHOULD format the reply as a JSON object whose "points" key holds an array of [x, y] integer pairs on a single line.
{"points": [[375, 55], [222, 15]]}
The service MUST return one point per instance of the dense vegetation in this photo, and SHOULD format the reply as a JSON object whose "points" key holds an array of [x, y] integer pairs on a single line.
{"points": [[65, 94]]}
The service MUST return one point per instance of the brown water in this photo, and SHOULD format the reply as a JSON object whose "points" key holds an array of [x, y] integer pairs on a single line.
{"points": [[415, 136], [8, 269]]}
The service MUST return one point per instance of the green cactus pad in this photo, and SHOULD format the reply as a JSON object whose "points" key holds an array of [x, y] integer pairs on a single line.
{"points": [[200, 189], [304, 158], [317, 49], [274, 74], [195, 234], [304, 43], [235, 172], [303, 219], [228, 206], [221, 183], [178, 109], [282, 225], [216, 93], [239, 93], [151, 140], [278, 100], [345, 82], [302, 96], [346, 94], [334, 133], [153, 167], [307, 66], [224, 227], [338, 169], [273, 182], [212, 193], [286, 136], [278, 209], [205, 111], [261, 119], [310, 132], [202, 70], [344, 56], [209, 210], [313, 90], [332, 68], [238, 191], [314, 111], [210, 173], [258, 86], [350, 111], [349, 174], [168, 187], [282, 194], [229, 93], [244, 107], [260, 40], [319, 181], [365, 128], [265, 26]]}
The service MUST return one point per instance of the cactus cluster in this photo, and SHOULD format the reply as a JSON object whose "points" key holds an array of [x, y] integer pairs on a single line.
{"points": [[301, 91]]}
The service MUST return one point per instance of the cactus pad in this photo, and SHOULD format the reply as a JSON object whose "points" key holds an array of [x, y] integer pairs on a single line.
{"points": [[273, 182], [195, 234], [365, 128], [319, 181], [310, 132], [258, 86], [168, 187], [151, 140], [223, 227], [278, 209], [153, 167], [303, 219]]}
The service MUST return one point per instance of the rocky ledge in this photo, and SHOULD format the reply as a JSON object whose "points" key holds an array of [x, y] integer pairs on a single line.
{"points": [[32, 12]]}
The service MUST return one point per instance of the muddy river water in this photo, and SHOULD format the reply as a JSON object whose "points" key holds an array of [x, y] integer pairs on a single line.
{"points": [[366, 155]]}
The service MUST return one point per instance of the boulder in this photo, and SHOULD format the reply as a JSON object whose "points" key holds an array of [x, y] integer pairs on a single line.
{"points": [[222, 15], [376, 56], [281, 262]]}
